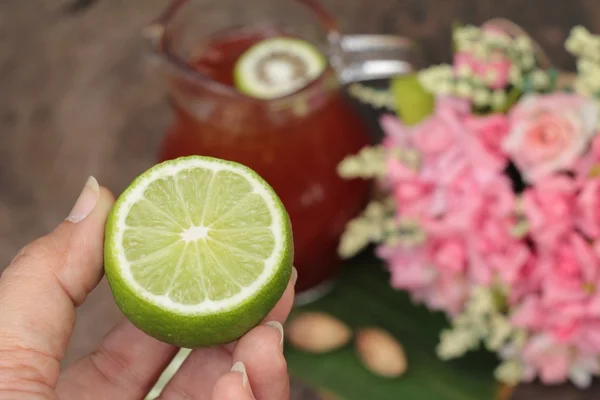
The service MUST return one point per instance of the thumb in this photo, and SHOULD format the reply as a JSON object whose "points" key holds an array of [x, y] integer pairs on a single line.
{"points": [[43, 285]]}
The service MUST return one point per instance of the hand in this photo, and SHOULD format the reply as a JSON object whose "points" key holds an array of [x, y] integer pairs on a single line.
{"points": [[53, 275]]}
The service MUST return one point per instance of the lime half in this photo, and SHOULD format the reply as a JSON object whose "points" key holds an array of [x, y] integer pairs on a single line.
{"points": [[277, 67], [198, 251]]}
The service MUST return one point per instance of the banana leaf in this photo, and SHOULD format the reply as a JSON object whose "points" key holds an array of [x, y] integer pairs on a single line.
{"points": [[363, 297]]}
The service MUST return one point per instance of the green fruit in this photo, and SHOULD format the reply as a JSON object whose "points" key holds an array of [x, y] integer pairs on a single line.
{"points": [[278, 67], [198, 251], [413, 103]]}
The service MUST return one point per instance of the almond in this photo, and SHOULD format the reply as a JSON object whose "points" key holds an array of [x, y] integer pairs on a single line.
{"points": [[325, 394], [380, 352], [317, 332]]}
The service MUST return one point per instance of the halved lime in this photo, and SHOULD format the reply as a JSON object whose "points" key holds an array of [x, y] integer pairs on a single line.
{"points": [[277, 67], [198, 251]]}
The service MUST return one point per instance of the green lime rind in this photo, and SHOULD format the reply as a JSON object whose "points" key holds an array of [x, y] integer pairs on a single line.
{"points": [[412, 101], [245, 83], [187, 329]]}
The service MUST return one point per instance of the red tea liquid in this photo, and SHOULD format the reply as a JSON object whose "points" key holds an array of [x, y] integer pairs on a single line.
{"points": [[296, 149]]}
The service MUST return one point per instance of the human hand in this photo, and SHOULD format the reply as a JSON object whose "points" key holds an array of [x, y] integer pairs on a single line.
{"points": [[50, 277]]}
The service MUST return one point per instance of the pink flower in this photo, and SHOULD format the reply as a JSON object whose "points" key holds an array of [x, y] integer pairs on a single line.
{"points": [[549, 133], [569, 268], [588, 166], [422, 191], [555, 362], [493, 249], [455, 199], [549, 359], [432, 272], [485, 141], [587, 214], [566, 303], [549, 208], [494, 69]]}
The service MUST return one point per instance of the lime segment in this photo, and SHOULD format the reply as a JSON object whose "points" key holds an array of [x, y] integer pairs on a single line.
{"points": [[197, 251], [277, 67]]}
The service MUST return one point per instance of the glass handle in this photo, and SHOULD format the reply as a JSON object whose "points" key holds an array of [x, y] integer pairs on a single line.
{"points": [[367, 57]]}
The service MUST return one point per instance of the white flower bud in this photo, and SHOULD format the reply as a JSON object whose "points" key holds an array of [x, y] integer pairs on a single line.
{"points": [[444, 88], [456, 342], [509, 372], [581, 87], [465, 71], [528, 61], [523, 44], [481, 97], [481, 51], [491, 76], [514, 75], [471, 31], [585, 66], [580, 34], [498, 98], [375, 210], [540, 79], [463, 89]]}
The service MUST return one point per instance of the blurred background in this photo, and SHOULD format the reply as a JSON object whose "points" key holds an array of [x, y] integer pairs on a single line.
{"points": [[79, 97]]}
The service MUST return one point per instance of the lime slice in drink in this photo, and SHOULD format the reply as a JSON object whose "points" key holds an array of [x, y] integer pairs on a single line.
{"points": [[277, 67], [198, 251]]}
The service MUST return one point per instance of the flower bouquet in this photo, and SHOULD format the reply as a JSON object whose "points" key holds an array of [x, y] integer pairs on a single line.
{"points": [[489, 201]]}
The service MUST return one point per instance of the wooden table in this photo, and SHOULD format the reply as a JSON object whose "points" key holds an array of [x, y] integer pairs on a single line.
{"points": [[78, 97]]}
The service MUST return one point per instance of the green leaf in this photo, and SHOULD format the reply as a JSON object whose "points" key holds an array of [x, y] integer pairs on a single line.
{"points": [[363, 297], [413, 103], [513, 96]]}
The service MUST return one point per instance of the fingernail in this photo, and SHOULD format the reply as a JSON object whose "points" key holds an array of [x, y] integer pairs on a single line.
{"points": [[86, 202], [241, 368], [278, 326], [294, 276]]}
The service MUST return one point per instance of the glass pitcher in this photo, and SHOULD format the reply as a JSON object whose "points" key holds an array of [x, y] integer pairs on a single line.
{"points": [[295, 142]]}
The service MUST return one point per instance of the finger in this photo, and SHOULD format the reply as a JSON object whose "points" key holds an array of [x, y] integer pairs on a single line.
{"points": [[261, 351], [201, 370], [233, 385], [124, 366], [42, 286]]}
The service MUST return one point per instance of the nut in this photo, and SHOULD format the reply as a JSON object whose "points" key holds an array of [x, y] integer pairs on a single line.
{"points": [[325, 394], [317, 332], [380, 352]]}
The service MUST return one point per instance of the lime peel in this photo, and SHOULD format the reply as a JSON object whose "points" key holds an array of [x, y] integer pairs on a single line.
{"points": [[208, 321], [277, 67]]}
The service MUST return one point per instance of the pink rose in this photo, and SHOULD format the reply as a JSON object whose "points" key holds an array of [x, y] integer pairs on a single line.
{"points": [[588, 166], [587, 214], [485, 141], [549, 133], [568, 267], [549, 208]]}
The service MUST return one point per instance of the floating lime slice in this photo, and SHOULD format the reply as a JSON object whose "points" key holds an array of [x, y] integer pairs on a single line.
{"points": [[198, 251], [277, 67]]}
